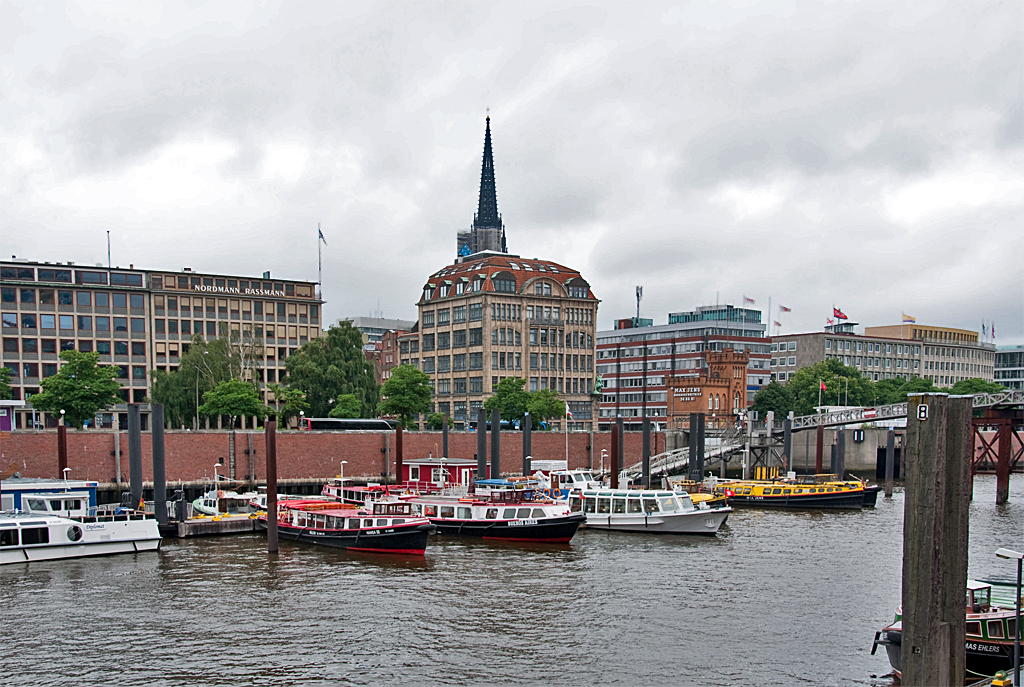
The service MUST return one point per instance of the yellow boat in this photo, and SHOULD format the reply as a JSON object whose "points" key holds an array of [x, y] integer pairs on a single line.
{"points": [[803, 491]]}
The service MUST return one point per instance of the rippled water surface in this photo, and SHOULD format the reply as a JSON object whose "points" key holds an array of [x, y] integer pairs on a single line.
{"points": [[775, 599]]}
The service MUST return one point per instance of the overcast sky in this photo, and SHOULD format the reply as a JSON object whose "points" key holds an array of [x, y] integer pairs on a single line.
{"points": [[867, 156]]}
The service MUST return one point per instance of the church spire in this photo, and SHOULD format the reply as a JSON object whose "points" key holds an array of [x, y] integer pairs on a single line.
{"points": [[487, 211]]}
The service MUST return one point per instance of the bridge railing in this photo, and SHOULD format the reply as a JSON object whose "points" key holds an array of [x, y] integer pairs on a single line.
{"points": [[895, 410]]}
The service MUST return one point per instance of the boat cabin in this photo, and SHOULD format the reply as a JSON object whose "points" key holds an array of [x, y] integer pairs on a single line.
{"points": [[15, 490], [632, 502], [979, 597], [428, 475]]}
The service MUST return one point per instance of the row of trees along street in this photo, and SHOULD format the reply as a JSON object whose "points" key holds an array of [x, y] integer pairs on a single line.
{"points": [[846, 386]]}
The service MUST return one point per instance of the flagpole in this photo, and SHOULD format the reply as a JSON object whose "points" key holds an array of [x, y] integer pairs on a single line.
{"points": [[567, 436], [319, 261], [769, 317]]}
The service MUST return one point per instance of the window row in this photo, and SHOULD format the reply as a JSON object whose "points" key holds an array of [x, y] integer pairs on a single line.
{"points": [[32, 370], [560, 338], [552, 361], [101, 299], [85, 323], [50, 346], [81, 276], [223, 306], [571, 385]]}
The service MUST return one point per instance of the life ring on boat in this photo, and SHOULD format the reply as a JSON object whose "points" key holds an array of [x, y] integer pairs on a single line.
{"points": [[547, 492]]}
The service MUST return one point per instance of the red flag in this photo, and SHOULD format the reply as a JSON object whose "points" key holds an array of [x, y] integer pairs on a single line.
{"points": [[783, 308], [823, 387], [836, 312], [828, 320], [778, 324], [748, 300]]}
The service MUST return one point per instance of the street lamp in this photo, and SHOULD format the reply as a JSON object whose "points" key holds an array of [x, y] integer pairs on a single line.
{"points": [[62, 416], [302, 414], [343, 463], [1019, 557]]}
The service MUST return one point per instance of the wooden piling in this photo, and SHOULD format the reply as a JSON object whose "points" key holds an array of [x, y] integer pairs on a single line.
{"points": [[691, 460], [936, 469], [135, 453], [645, 478], [841, 453], [481, 444], [613, 457], [527, 444], [156, 418], [787, 444], [444, 436], [818, 449], [399, 457], [700, 446], [1005, 436], [620, 455], [496, 443], [270, 434], [890, 460], [62, 449]]}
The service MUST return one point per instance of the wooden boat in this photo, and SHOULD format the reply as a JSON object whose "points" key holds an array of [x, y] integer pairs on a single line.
{"points": [[388, 527], [500, 510], [31, 536], [654, 511], [800, 492], [345, 491], [990, 634]]}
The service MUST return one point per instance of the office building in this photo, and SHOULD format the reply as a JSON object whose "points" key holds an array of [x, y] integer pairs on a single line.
{"points": [[637, 365], [1009, 367], [948, 355], [141, 320], [374, 328]]}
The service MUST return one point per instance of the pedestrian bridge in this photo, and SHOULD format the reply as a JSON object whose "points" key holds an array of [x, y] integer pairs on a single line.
{"points": [[895, 410]]}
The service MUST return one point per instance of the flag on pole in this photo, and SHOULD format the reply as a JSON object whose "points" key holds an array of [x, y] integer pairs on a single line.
{"points": [[567, 413], [783, 308], [823, 387], [828, 320], [838, 314], [321, 234], [908, 318], [983, 331], [993, 330], [748, 300]]}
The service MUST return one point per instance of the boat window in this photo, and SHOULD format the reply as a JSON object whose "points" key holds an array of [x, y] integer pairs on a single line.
{"points": [[367, 522], [633, 506], [35, 535], [397, 521], [465, 513], [651, 505], [588, 505], [508, 513], [974, 628], [523, 513], [685, 502], [786, 491], [55, 504], [604, 505], [776, 490], [447, 511], [538, 513], [492, 513], [1011, 627], [798, 491], [353, 523], [618, 505], [382, 522], [668, 504], [746, 491], [430, 511], [829, 489], [995, 629], [8, 537], [36, 504]]}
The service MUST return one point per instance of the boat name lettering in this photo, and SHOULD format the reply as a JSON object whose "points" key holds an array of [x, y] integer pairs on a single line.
{"points": [[372, 532], [520, 523], [95, 526], [987, 648]]}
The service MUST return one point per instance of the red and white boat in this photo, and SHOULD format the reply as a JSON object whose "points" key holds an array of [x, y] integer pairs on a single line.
{"points": [[385, 527]]}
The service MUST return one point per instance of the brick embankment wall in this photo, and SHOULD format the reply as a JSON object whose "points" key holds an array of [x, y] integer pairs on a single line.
{"points": [[191, 456]]}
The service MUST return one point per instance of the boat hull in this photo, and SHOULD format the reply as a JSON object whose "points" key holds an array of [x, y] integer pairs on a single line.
{"points": [[93, 537], [835, 501], [411, 540], [984, 657], [703, 522], [551, 530]]}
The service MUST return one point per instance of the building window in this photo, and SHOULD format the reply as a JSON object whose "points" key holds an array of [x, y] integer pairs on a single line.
{"points": [[476, 361], [459, 338], [476, 337], [428, 365], [476, 312], [444, 386], [458, 314], [428, 342], [443, 316], [459, 362], [460, 386], [476, 385], [443, 340]]}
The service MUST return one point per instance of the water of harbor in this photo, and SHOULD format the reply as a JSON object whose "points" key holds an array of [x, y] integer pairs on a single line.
{"points": [[776, 598]]}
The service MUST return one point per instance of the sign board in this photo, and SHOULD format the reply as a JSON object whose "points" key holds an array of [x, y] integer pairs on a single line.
{"points": [[870, 413], [549, 465], [922, 412]]}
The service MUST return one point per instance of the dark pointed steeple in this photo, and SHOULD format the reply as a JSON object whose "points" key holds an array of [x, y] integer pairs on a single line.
{"points": [[487, 210], [487, 232]]}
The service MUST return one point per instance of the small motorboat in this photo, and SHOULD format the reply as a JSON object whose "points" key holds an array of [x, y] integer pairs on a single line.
{"points": [[811, 492], [219, 502], [990, 635], [387, 527], [26, 537], [653, 511], [501, 509]]}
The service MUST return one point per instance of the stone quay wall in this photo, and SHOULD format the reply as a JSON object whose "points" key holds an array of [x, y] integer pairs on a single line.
{"points": [[192, 456]]}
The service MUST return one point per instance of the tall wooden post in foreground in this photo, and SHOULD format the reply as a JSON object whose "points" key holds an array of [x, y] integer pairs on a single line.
{"points": [[613, 457], [62, 449], [936, 470], [527, 445], [481, 444], [271, 437], [818, 449], [496, 443], [399, 457], [890, 460], [135, 453], [156, 419]]}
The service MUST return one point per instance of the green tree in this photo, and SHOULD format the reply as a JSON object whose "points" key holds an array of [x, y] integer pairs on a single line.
{"points": [[774, 397], [346, 406], [975, 385], [405, 394], [287, 402], [844, 385], [80, 388], [234, 398], [435, 421], [510, 398], [895, 390], [544, 405], [333, 365], [5, 383]]}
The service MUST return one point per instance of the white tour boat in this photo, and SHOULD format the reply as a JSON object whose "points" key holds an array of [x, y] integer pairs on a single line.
{"points": [[38, 537], [636, 510]]}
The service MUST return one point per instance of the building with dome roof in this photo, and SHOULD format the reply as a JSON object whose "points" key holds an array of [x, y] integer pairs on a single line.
{"points": [[491, 315]]}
